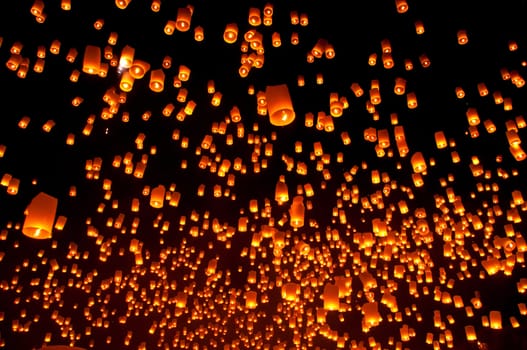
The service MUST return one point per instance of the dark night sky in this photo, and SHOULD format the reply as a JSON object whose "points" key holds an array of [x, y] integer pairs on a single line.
{"points": [[35, 303]]}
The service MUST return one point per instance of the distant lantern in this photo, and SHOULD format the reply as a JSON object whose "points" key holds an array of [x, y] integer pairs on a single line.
{"points": [[157, 197], [122, 4], [40, 216], [92, 60], [462, 37], [184, 15], [279, 105], [281, 191], [401, 6], [297, 212], [400, 86], [157, 80], [199, 34], [230, 35]]}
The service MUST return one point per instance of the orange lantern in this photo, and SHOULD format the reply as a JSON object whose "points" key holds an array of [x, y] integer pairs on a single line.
{"points": [[279, 105], [297, 212], [40, 216], [184, 15], [92, 60], [230, 34], [157, 80]]}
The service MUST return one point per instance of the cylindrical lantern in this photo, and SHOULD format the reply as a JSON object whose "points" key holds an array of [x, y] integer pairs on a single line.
{"points": [[40, 216], [157, 197], [92, 60], [184, 15], [279, 105], [230, 35], [297, 212], [157, 80]]}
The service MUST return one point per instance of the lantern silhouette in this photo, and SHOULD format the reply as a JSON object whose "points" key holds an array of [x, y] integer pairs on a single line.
{"points": [[40, 216], [279, 105]]}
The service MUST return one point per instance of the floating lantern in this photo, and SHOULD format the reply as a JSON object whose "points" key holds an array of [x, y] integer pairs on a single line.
{"points": [[279, 105], [40, 216]]}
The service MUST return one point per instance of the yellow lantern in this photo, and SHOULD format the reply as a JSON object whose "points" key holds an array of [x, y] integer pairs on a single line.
{"points": [[40, 216], [279, 105]]}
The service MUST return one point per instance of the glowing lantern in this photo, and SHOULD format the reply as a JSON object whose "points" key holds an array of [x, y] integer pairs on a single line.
{"points": [[157, 197], [418, 162], [184, 73], [40, 216], [254, 16], [251, 301], [331, 297], [199, 34], [495, 319], [184, 15], [400, 86], [122, 4], [281, 191], [127, 82], [157, 80], [462, 37], [297, 212], [401, 6], [419, 27], [411, 100], [230, 34], [279, 105], [92, 60], [155, 6]]}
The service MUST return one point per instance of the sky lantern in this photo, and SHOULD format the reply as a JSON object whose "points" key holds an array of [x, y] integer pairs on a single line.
{"points": [[92, 60], [157, 80], [184, 15], [230, 34], [296, 212], [157, 197], [40, 216], [279, 105]]}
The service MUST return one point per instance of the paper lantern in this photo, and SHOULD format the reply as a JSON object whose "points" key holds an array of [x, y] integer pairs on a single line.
{"points": [[418, 162], [297, 212], [401, 6], [122, 4], [462, 37], [157, 80], [331, 297], [184, 15], [40, 216], [281, 191], [279, 105], [92, 60], [157, 197], [230, 34]]}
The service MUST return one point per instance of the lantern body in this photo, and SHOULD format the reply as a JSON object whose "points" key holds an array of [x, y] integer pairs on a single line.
{"points": [[92, 60], [279, 105], [40, 216], [157, 197], [297, 212]]}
